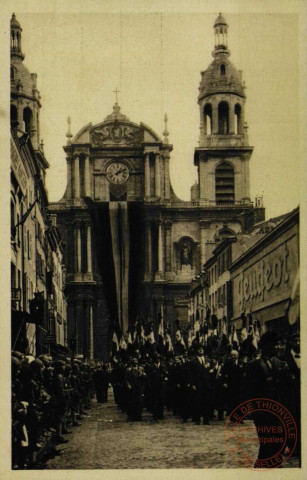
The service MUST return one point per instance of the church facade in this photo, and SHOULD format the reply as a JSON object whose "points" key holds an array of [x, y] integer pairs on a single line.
{"points": [[131, 246]]}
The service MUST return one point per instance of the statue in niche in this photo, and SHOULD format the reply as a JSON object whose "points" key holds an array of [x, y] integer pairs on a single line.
{"points": [[186, 254]]}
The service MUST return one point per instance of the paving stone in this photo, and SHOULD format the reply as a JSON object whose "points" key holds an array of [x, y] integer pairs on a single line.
{"points": [[107, 441]]}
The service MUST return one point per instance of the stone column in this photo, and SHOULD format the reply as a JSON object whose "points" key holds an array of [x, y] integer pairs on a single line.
{"points": [[160, 248], [215, 119], [147, 176], [166, 177], [20, 116], [87, 186], [78, 326], [157, 176], [76, 177], [69, 179], [204, 227], [78, 247], [231, 118], [168, 246], [148, 247], [89, 248]]}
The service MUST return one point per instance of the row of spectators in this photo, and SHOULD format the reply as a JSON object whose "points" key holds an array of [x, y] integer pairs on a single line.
{"points": [[48, 397]]}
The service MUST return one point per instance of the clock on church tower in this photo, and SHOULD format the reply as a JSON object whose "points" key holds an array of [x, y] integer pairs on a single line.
{"points": [[117, 173]]}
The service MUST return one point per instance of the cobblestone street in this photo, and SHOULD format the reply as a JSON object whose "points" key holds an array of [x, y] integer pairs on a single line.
{"points": [[107, 441]]}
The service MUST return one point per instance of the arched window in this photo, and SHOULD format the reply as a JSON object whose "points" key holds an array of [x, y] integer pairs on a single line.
{"points": [[224, 184], [223, 112], [238, 120], [222, 69], [208, 119], [13, 73], [27, 119], [14, 121]]}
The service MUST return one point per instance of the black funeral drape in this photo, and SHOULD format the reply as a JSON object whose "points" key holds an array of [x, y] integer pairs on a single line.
{"points": [[103, 251], [106, 253]]}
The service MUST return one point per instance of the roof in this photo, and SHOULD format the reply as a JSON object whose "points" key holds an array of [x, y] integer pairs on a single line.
{"points": [[220, 20], [116, 129], [14, 22], [213, 82]]}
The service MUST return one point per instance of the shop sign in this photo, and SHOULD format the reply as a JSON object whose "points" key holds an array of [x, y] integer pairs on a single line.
{"points": [[264, 279]]}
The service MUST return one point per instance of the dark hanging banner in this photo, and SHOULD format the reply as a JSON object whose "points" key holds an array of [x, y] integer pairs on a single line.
{"points": [[119, 233]]}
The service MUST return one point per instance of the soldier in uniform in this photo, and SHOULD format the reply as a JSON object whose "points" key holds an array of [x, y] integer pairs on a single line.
{"points": [[232, 375], [293, 401], [135, 383], [267, 377], [156, 381], [201, 388]]}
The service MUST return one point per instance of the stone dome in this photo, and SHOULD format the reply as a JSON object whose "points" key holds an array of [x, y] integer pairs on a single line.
{"points": [[221, 77], [22, 80]]}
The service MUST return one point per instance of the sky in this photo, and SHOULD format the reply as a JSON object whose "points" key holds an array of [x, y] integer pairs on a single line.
{"points": [[155, 61]]}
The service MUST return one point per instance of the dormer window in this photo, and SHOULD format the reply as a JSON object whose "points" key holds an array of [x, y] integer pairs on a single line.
{"points": [[222, 69]]}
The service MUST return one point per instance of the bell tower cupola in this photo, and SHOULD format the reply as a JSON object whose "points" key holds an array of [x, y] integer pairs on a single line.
{"points": [[221, 32], [25, 98], [16, 38], [224, 152]]}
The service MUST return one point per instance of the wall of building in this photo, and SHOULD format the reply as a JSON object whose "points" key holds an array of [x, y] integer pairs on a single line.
{"points": [[263, 278]]}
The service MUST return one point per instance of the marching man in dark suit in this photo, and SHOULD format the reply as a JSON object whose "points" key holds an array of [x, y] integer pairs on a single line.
{"points": [[267, 377], [201, 388], [293, 359]]}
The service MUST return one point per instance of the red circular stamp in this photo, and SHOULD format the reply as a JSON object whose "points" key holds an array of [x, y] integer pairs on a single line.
{"points": [[266, 442]]}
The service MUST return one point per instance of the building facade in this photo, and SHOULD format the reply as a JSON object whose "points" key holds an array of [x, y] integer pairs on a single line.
{"points": [[264, 276], [131, 246], [29, 215]]}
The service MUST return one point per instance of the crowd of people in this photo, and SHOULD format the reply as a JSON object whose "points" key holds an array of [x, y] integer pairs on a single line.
{"points": [[50, 396], [199, 387]]}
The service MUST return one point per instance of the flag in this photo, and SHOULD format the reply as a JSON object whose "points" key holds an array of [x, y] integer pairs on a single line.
{"points": [[244, 329], [168, 342], [224, 326], [142, 335], [179, 338], [257, 330], [196, 326], [123, 344], [115, 346], [25, 216], [235, 341], [254, 338], [151, 336], [161, 329], [129, 340]]}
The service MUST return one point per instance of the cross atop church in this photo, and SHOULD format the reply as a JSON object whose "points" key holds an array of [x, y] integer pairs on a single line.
{"points": [[116, 91]]}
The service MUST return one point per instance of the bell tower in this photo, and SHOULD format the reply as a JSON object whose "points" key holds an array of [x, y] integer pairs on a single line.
{"points": [[25, 98], [223, 154]]}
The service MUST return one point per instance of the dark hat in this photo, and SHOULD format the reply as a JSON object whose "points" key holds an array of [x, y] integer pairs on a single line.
{"points": [[15, 364], [37, 364], [18, 355], [269, 338]]}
